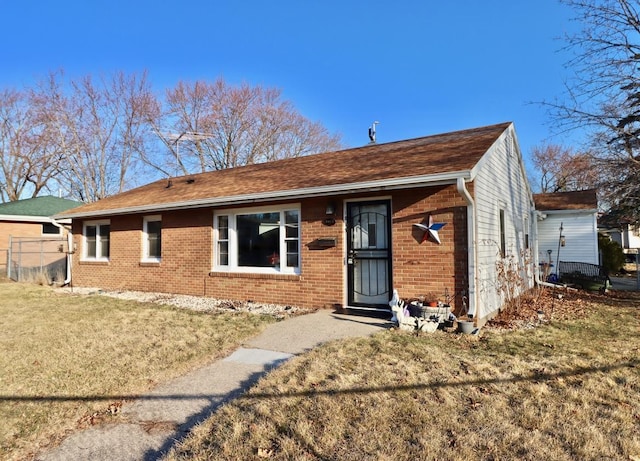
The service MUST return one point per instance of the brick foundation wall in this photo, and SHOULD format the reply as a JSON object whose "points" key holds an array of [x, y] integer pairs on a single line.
{"points": [[187, 255]]}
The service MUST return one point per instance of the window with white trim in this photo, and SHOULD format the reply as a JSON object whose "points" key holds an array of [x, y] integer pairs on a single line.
{"points": [[48, 228], [265, 240], [96, 236], [152, 238]]}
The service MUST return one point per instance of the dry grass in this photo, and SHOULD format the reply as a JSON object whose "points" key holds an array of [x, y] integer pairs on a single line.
{"points": [[566, 390], [66, 357]]}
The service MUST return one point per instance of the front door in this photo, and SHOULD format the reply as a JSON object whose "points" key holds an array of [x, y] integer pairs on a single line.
{"points": [[369, 254]]}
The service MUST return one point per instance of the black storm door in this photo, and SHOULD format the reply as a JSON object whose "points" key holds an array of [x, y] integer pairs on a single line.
{"points": [[369, 254]]}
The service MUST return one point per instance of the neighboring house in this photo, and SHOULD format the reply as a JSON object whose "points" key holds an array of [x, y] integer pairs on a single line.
{"points": [[620, 231], [577, 213], [339, 229], [28, 222]]}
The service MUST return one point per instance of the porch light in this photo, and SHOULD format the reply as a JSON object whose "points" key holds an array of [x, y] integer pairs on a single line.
{"points": [[331, 209]]}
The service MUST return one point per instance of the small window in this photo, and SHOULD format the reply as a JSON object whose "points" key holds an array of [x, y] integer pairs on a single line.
{"points": [[50, 229], [96, 240], [502, 235], [152, 238]]}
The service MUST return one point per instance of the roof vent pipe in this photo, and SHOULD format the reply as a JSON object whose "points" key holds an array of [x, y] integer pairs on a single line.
{"points": [[372, 133]]}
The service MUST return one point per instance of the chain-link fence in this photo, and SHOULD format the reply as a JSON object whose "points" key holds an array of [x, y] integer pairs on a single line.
{"points": [[37, 259]]}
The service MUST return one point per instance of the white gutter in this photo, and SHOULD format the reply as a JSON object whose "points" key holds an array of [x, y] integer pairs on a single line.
{"points": [[471, 238], [29, 218], [67, 279], [369, 186], [570, 212]]}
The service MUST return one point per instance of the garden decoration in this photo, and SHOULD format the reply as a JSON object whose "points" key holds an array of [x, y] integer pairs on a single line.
{"points": [[430, 229], [417, 316]]}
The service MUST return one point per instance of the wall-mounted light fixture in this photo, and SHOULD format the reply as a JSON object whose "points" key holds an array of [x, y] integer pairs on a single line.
{"points": [[331, 209]]}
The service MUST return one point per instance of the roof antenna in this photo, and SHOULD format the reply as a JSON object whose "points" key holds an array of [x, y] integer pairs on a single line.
{"points": [[372, 132]]}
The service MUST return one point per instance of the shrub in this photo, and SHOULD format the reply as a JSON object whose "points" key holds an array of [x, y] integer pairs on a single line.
{"points": [[613, 257]]}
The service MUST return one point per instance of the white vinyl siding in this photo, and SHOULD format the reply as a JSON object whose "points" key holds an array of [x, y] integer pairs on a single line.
{"points": [[500, 185], [632, 237], [581, 237]]}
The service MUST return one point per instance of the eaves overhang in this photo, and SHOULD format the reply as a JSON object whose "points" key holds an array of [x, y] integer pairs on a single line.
{"points": [[568, 212], [260, 197], [29, 218]]}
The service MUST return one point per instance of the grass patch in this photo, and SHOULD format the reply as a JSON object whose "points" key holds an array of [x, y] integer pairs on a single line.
{"points": [[65, 357], [565, 390]]}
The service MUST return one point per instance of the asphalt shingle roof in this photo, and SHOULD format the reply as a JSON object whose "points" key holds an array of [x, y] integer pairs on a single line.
{"points": [[39, 206], [573, 200], [439, 154]]}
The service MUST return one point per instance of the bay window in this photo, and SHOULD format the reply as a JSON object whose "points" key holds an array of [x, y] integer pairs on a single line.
{"points": [[258, 240]]}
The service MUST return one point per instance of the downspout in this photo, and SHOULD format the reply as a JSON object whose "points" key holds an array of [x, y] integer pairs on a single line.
{"points": [[471, 233], [67, 279]]}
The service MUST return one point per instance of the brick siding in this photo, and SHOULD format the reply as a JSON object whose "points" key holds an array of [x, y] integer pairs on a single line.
{"points": [[187, 254]]}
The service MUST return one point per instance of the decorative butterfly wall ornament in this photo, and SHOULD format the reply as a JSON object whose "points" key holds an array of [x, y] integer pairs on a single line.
{"points": [[430, 230]]}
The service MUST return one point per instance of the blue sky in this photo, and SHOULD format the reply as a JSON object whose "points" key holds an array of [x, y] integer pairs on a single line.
{"points": [[417, 67]]}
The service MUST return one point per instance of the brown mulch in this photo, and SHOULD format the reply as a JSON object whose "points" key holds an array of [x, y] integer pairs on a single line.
{"points": [[558, 304]]}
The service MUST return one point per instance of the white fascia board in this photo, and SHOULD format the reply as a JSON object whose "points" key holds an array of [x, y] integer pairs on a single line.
{"points": [[369, 186], [30, 219], [568, 212]]}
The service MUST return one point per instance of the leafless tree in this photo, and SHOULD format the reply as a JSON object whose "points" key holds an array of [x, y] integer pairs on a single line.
{"points": [[103, 128], [29, 156], [93, 137], [213, 126], [560, 169], [603, 96]]}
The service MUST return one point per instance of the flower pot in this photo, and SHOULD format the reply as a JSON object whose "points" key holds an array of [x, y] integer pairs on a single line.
{"points": [[466, 326], [447, 324]]}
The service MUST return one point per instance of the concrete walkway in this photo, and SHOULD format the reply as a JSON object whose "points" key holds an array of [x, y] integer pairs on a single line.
{"points": [[152, 424]]}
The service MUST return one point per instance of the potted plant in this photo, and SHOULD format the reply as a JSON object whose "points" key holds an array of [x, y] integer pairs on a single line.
{"points": [[431, 299], [466, 323]]}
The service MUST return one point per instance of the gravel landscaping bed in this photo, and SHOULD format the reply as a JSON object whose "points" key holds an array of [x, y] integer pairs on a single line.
{"points": [[196, 303]]}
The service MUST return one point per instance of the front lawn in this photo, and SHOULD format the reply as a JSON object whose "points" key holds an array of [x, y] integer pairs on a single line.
{"points": [[66, 360], [565, 390]]}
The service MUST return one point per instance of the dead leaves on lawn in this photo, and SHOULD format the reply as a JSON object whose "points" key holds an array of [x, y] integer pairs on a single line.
{"points": [[548, 304]]}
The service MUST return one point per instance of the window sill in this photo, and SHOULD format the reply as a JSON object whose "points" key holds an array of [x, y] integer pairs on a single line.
{"points": [[94, 262], [254, 275], [150, 263]]}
